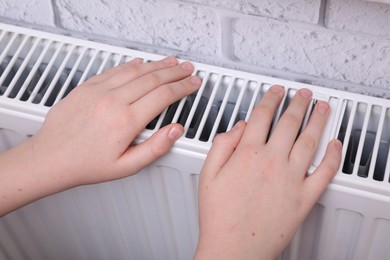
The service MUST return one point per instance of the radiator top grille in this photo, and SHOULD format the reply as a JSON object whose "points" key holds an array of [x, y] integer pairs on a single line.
{"points": [[37, 69]]}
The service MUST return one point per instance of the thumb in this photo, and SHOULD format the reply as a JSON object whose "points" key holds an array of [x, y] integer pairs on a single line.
{"points": [[222, 149], [138, 156], [323, 175]]}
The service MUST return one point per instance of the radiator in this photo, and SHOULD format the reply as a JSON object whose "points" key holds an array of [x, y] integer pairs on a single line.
{"points": [[153, 215]]}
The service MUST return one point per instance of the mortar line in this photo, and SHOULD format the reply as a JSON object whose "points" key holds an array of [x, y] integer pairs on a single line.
{"points": [[322, 13], [56, 16]]}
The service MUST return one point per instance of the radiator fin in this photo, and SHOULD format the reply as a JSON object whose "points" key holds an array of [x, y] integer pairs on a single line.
{"points": [[43, 71]]}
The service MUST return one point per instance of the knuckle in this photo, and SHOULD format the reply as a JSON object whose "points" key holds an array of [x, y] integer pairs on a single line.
{"points": [[263, 110], [134, 71], [329, 169], [328, 172], [122, 73], [114, 80], [157, 149], [167, 92], [153, 79], [309, 142], [183, 86], [292, 121]]}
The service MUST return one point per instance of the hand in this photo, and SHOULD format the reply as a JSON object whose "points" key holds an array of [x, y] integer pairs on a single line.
{"points": [[254, 193], [91, 131], [88, 136]]}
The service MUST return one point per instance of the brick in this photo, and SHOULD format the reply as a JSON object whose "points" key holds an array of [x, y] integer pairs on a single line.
{"points": [[359, 16], [168, 25], [312, 51], [33, 11], [301, 10]]}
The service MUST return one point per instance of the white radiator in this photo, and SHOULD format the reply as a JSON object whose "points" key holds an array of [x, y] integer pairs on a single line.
{"points": [[153, 215]]}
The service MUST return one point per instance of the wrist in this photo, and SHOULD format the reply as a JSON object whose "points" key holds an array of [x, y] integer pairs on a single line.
{"points": [[28, 174]]}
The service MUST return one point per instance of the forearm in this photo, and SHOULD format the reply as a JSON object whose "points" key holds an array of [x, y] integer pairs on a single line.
{"points": [[26, 176]]}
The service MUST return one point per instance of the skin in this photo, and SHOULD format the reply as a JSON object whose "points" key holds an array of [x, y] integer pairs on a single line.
{"points": [[87, 137], [254, 193]]}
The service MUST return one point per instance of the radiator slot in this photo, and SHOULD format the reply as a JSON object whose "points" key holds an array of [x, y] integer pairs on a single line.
{"points": [[43, 72], [8, 78], [382, 161], [210, 81], [242, 105], [200, 108], [170, 114], [365, 149], [357, 115], [214, 106]]}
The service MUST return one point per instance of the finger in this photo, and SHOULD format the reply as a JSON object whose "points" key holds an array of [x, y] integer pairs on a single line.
{"points": [[286, 131], [305, 147], [153, 103], [316, 183], [260, 121], [139, 156], [131, 70], [223, 147], [107, 73], [143, 85]]}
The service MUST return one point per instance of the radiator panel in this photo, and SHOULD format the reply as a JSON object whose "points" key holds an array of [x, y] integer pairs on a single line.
{"points": [[153, 215]]}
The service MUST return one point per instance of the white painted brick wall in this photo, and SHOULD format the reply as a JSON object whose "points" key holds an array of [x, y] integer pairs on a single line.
{"points": [[34, 11], [314, 51], [342, 44], [304, 11], [168, 25], [359, 16]]}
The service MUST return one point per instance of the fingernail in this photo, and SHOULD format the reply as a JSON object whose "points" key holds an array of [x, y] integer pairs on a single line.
{"points": [[187, 66], [174, 133], [276, 89], [137, 61], [305, 93], [323, 107], [196, 81], [338, 145], [170, 60], [237, 126]]}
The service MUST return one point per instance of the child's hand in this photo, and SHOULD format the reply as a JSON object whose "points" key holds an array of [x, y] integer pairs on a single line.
{"points": [[88, 136], [254, 193]]}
